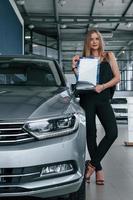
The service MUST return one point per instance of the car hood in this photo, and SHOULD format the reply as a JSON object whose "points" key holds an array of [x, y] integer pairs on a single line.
{"points": [[18, 103]]}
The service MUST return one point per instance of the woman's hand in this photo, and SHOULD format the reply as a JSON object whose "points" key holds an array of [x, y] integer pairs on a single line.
{"points": [[75, 59], [99, 88]]}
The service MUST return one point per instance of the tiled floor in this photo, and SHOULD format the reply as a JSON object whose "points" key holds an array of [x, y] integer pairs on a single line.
{"points": [[118, 169]]}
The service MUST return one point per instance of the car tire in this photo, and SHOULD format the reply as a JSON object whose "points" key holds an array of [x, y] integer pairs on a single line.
{"points": [[80, 194]]}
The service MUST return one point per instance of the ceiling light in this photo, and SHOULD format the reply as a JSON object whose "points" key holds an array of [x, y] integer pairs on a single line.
{"points": [[102, 2], [27, 37], [107, 35], [31, 26], [63, 26], [128, 25], [35, 45], [62, 2], [21, 2], [95, 25]]}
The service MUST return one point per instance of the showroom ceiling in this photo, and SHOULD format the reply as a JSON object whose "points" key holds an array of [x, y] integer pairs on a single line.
{"points": [[69, 20]]}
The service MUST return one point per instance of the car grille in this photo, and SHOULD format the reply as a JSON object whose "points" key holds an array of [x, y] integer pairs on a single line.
{"points": [[17, 175], [11, 133]]}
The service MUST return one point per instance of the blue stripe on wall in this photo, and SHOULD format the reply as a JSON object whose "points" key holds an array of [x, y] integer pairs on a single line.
{"points": [[11, 30]]}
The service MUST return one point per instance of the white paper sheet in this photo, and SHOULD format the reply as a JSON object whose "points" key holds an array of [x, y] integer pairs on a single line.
{"points": [[88, 70]]}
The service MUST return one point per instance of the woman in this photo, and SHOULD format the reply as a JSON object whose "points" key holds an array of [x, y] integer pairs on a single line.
{"points": [[97, 103]]}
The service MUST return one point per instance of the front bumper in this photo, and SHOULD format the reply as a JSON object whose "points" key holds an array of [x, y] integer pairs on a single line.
{"points": [[46, 152], [43, 188]]}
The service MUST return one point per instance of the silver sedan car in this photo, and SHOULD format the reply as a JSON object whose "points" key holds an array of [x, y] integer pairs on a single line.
{"points": [[42, 131]]}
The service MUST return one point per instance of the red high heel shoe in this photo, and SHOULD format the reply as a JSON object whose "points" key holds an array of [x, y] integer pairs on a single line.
{"points": [[99, 177], [89, 171]]}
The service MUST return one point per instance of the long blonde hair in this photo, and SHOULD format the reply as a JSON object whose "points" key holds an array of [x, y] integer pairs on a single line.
{"points": [[87, 50]]}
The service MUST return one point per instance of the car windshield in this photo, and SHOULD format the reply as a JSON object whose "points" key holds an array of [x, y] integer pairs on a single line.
{"points": [[29, 73]]}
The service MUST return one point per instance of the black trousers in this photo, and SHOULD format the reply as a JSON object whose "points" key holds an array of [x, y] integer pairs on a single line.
{"points": [[103, 109]]}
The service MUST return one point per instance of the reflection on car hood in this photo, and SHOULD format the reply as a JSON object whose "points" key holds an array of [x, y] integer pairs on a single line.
{"points": [[32, 102]]}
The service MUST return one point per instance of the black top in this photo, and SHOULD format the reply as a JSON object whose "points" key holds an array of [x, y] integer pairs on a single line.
{"points": [[105, 75]]}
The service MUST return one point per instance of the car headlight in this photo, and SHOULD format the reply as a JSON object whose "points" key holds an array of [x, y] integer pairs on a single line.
{"points": [[48, 128]]}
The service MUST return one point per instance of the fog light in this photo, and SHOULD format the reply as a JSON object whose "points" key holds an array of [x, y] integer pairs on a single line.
{"points": [[57, 169]]}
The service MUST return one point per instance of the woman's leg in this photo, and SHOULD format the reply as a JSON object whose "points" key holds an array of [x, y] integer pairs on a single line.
{"points": [[90, 110], [107, 119]]}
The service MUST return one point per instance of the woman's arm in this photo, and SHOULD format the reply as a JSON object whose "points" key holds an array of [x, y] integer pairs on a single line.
{"points": [[116, 73], [115, 70], [75, 60]]}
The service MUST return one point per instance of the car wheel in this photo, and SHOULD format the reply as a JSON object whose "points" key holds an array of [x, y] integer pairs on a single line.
{"points": [[80, 194]]}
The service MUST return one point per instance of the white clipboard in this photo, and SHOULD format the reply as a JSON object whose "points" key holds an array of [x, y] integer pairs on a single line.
{"points": [[87, 70]]}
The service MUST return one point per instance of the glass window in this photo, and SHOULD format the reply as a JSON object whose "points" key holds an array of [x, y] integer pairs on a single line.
{"points": [[39, 39], [39, 50], [52, 43], [52, 53]]}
